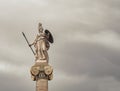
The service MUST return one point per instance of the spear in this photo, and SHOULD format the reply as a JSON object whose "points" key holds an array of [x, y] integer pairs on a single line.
{"points": [[28, 43]]}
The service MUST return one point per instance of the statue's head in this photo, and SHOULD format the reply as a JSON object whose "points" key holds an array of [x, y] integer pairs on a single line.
{"points": [[40, 28]]}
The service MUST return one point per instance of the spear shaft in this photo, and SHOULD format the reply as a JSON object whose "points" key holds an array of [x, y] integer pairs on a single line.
{"points": [[28, 43]]}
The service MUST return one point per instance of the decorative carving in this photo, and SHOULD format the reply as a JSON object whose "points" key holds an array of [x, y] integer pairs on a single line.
{"points": [[48, 70], [41, 71], [35, 70]]}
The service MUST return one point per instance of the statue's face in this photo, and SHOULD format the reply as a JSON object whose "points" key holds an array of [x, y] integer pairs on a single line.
{"points": [[41, 30]]}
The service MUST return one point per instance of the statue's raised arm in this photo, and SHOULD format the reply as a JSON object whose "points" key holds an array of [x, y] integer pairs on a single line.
{"points": [[41, 44]]}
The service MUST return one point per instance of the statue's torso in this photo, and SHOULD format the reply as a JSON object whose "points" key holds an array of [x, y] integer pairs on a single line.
{"points": [[41, 46]]}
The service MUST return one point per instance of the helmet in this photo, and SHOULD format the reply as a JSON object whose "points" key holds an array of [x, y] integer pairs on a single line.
{"points": [[40, 28]]}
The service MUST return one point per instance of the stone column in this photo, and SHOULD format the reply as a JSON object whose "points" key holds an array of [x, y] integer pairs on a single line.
{"points": [[42, 85]]}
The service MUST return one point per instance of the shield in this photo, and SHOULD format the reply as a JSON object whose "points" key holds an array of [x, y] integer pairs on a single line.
{"points": [[50, 37]]}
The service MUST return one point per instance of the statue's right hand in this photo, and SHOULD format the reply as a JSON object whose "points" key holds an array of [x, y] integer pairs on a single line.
{"points": [[31, 44]]}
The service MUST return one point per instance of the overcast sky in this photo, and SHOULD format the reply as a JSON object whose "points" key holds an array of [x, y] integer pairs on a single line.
{"points": [[86, 52]]}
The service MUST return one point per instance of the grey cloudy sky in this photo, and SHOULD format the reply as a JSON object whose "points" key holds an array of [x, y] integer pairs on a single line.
{"points": [[85, 55]]}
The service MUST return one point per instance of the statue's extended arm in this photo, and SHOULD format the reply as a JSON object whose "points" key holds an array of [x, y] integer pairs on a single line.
{"points": [[34, 41]]}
